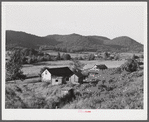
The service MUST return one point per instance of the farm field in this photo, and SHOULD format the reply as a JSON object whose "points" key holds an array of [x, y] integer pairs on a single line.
{"points": [[34, 69], [73, 55], [123, 55]]}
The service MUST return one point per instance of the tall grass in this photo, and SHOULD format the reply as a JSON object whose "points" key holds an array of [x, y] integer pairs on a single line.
{"points": [[114, 91]]}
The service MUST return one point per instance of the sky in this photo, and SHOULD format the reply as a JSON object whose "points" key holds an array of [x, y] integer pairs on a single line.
{"points": [[109, 19]]}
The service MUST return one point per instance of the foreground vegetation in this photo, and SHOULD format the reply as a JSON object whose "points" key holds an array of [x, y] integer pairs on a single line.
{"points": [[114, 88], [123, 90]]}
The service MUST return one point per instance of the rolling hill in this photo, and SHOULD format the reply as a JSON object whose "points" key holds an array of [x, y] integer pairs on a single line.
{"points": [[25, 40], [72, 42]]}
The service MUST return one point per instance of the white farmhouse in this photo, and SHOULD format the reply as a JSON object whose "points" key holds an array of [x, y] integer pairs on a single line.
{"points": [[56, 75]]}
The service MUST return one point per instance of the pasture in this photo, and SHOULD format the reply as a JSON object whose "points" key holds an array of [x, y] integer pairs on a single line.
{"points": [[34, 69], [73, 55]]}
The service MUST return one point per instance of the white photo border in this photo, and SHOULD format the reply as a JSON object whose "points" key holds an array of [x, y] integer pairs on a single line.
{"points": [[66, 114]]}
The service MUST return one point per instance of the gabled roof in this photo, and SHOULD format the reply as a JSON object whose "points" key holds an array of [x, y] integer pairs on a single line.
{"points": [[101, 66], [61, 71], [79, 74]]}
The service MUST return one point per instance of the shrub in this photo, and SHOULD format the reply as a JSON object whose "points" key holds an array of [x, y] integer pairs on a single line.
{"points": [[12, 100], [35, 102], [66, 57], [130, 66]]}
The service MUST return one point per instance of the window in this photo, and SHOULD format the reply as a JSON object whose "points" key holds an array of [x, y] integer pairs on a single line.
{"points": [[67, 78], [46, 72], [56, 80]]}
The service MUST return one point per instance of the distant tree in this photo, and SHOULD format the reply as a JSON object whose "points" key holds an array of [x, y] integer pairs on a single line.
{"points": [[58, 57], [141, 56], [34, 59], [76, 58], [29, 52], [29, 60], [133, 57], [76, 66], [117, 57], [39, 58], [40, 48], [106, 55], [85, 57], [66, 57], [47, 57], [24, 60], [14, 66], [91, 57], [80, 58], [71, 50]]}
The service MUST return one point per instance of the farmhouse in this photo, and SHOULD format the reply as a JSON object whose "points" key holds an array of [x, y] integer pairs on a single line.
{"points": [[56, 75], [99, 67]]}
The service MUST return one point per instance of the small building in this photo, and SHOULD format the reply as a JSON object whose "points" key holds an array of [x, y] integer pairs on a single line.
{"points": [[76, 78], [56, 75], [99, 67]]}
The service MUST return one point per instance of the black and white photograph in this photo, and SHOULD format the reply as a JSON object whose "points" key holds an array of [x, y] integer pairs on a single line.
{"points": [[74, 60]]}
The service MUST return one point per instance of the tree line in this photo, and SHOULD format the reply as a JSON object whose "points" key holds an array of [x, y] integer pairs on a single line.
{"points": [[30, 56]]}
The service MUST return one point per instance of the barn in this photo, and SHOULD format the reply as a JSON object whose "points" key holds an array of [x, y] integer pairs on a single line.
{"points": [[99, 67], [56, 75]]}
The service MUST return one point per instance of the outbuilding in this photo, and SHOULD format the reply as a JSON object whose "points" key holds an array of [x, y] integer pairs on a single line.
{"points": [[99, 67], [76, 78]]}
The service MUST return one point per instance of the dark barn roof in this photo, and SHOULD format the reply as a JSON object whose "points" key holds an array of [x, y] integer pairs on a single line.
{"points": [[102, 66], [61, 71], [79, 74]]}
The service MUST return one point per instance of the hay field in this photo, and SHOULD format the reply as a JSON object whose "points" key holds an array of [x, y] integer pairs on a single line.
{"points": [[34, 69]]}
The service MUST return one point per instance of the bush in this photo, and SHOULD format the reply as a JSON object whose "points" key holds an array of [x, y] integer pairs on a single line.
{"points": [[66, 57], [35, 102], [130, 66], [12, 100]]}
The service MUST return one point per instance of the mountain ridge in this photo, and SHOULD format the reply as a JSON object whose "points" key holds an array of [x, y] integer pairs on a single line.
{"points": [[71, 42]]}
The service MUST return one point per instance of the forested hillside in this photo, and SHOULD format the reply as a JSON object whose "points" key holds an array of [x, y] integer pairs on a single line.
{"points": [[71, 43]]}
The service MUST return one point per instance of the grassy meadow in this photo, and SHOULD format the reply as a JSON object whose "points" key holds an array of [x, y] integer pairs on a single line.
{"points": [[30, 69], [120, 90]]}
